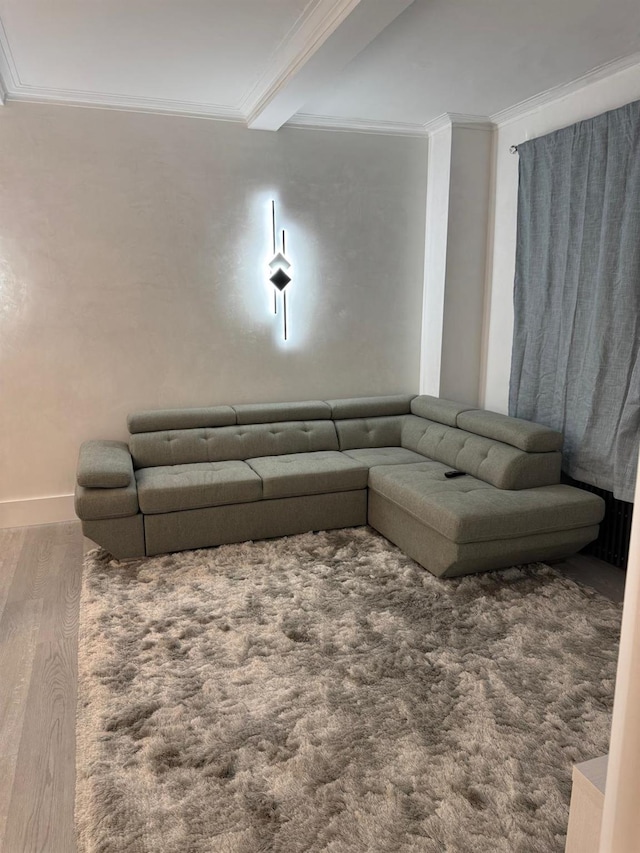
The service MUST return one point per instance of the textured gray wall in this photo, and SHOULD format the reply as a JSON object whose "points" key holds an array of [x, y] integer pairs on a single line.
{"points": [[132, 253]]}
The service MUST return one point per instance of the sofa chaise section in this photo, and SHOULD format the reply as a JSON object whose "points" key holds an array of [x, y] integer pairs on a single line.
{"points": [[462, 525], [508, 507]]}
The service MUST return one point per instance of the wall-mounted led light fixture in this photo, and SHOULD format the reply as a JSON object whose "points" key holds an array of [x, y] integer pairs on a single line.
{"points": [[279, 270]]}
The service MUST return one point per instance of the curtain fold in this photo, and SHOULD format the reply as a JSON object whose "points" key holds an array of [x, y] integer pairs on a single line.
{"points": [[575, 361]]}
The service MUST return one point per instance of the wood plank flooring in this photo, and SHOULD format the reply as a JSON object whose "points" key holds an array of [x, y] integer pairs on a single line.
{"points": [[40, 582]]}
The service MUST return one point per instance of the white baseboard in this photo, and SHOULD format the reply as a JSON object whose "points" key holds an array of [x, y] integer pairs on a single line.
{"points": [[37, 511]]}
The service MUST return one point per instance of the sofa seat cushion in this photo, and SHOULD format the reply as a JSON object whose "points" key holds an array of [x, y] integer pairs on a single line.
{"points": [[314, 473], [171, 488], [465, 509], [371, 456]]}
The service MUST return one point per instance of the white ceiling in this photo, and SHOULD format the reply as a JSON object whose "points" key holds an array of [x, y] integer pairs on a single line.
{"points": [[370, 61], [478, 56], [196, 51]]}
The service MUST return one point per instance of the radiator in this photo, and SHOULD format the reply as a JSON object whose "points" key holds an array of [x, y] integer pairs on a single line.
{"points": [[612, 544]]}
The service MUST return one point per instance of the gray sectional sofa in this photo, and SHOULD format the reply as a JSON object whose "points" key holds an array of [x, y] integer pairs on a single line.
{"points": [[194, 478]]}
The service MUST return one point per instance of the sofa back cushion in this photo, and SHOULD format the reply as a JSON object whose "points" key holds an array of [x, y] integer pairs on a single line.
{"points": [[370, 432], [370, 407], [267, 413], [218, 444], [438, 409], [156, 420], [500, 464], [163, 419], [529, 436]]}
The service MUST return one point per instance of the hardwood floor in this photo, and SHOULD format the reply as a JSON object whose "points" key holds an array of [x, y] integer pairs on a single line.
{"points": [[40, 581]]}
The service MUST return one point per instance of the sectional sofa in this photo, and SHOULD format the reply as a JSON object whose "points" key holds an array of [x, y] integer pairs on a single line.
{"points": [[193, 478]]}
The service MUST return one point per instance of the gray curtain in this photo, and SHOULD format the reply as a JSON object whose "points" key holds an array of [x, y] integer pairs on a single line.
{"points": [[575, 363]]}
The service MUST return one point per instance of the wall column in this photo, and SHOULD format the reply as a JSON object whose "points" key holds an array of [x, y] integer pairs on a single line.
{"points": [[458, 206]]}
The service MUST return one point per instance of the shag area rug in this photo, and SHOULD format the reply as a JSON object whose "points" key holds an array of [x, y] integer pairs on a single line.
{"points": [[324, 693]]}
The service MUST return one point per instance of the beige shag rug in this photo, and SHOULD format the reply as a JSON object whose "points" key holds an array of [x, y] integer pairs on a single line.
{"points": [[324, 693]]}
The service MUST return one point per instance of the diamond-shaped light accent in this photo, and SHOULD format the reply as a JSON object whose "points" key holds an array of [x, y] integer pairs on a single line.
{"points": [[279, 260], [280, 279]]}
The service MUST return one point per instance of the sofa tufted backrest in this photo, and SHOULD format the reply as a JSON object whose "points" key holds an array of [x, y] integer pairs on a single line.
{"points": [[370, 432], [218, 444], [495, 462], [506, 452], [526, 435]]}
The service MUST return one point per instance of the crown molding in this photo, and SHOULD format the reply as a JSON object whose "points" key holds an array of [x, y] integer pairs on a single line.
{"points": [[108, 101], [319, 20], [556, 93], [338, 123], [464, 120], [436, 124]]}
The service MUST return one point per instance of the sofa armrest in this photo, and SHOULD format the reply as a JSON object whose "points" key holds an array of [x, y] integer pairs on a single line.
{"points": [[95, 504], [105, 465]]}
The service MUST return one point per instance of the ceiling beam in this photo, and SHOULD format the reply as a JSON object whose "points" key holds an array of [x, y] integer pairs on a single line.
{"points": [[319, 47]]}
